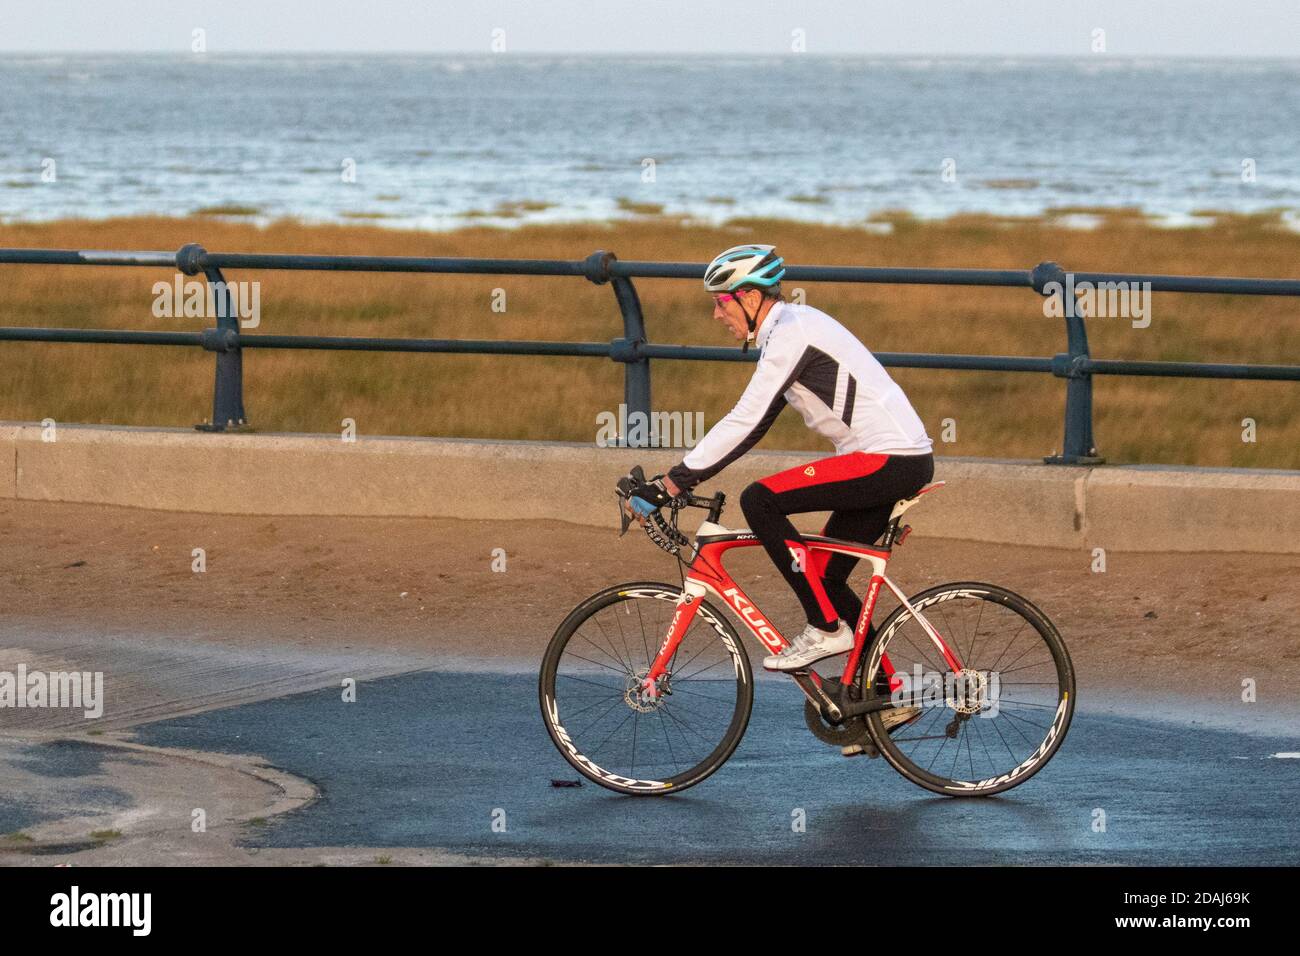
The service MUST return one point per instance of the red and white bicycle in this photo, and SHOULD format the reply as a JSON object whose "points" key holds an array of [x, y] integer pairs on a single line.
{"points": [[646, 687]]}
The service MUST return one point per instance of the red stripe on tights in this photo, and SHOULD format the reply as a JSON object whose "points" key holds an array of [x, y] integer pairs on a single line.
{"points": [[839, 468]]}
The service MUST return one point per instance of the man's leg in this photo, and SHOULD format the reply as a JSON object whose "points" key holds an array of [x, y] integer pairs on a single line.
{"points": [[825, 485], [862, 489], [864, 525]]}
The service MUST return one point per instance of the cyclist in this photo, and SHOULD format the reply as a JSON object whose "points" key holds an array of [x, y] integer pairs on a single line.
{"points": [[882, 453]]}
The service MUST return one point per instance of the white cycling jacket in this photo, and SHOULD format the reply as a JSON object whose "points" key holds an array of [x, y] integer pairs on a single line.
{"points": [[817, 366]]}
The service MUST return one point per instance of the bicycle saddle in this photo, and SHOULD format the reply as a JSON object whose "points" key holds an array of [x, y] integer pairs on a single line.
{"points": [[906, 503]]}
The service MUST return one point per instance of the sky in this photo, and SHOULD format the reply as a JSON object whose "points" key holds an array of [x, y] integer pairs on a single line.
{"points": [[1180, 28]]}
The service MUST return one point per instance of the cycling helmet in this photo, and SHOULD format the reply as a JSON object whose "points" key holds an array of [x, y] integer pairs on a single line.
{"points": [[748, 266], [740, 266]]}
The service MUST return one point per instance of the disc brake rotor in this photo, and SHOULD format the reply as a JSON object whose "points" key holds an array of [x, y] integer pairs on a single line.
{"points": [[638, 699]]}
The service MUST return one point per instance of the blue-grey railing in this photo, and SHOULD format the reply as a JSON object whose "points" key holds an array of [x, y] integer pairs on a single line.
{"points": [[1076, 365]]}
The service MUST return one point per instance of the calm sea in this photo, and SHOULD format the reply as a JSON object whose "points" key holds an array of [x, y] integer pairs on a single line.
{"points": [[440, 141]]}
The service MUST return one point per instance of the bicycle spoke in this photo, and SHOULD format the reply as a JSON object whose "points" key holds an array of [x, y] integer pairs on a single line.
{"points": [[588, 660], [613, 732], [602, 649], [623, 634], [669, 712], [613, 650], [696, 693], [1012, 666], [1008, 647], [579, 713], [704, 670], [1012, 670], [648, 656], [636, 723], [976, 636], [609, 710], [669, 744], [987, 753]]}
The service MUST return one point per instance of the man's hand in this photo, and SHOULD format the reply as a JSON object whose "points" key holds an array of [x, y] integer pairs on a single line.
{"points": [[649, 497]]}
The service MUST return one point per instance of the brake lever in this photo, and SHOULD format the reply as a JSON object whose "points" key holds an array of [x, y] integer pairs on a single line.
{"points": [[625, 519], [624, 491]]}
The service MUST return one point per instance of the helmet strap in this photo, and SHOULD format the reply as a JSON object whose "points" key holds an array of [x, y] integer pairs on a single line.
{"points": [[749, 320]]}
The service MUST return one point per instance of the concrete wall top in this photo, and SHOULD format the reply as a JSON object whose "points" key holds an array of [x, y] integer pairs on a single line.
{"points": [[1124, 507]]}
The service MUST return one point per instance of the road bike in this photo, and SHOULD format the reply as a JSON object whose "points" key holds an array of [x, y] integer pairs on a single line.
{"points": [[966, 689]]}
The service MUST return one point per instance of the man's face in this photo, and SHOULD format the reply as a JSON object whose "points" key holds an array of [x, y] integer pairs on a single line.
{"points": [[727, 310]]}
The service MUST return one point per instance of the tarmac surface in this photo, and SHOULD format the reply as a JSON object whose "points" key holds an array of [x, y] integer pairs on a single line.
{"points": [[460, 762]]}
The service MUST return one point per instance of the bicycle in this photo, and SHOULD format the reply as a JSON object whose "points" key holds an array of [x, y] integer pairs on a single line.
{"points": [[689, 678]]}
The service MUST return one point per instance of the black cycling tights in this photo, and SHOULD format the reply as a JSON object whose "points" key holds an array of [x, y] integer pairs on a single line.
{"points": [[860, 490]]}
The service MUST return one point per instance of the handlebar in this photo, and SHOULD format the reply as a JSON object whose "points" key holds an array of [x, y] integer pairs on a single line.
{"points": [[714, 504], [664, 534]]}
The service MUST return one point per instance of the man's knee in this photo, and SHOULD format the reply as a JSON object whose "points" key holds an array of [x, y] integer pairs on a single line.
{"points": [[757, 499]]}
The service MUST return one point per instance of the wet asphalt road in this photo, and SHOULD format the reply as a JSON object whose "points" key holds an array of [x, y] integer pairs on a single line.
{"points": [[432, 759]]}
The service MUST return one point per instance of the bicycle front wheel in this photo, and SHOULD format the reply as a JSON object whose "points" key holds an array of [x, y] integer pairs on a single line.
{"points": [[987, 726], [589, 690]]}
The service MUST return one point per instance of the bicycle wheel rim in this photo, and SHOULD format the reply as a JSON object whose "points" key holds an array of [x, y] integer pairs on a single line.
{"points": [[975, 754], [597, 656]]}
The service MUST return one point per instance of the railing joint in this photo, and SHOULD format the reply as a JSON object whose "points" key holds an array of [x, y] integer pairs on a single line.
{"points": [[596, 266], [1065, 365], [1044, 274], [219, 340], [189, 258], [626, 350]]}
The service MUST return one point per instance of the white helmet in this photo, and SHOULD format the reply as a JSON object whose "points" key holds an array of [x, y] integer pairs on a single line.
{"points": [[748, 265]]}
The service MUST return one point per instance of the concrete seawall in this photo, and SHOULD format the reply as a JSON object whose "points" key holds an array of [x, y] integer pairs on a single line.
{"points": [[1124, 508]]}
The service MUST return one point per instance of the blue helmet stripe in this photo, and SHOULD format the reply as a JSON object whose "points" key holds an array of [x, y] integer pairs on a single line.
{"points": [[761, 277]]}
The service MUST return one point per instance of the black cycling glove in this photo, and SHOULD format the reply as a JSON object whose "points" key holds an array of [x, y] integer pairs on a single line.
{"points": [[649, 496]]}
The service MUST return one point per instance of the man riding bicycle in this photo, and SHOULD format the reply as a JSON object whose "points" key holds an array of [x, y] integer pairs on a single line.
{"points": [[882, 453]]}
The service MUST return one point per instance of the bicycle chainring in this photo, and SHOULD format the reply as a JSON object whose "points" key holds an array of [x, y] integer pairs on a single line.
{"points": [[847, 733]]}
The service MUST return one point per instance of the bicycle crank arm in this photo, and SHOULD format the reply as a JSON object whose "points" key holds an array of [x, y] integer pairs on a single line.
{"points": [[832, 709], [857, 708], [826, 705]]}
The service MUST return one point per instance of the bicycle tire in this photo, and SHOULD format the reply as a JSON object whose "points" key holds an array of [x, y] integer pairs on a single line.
{"points": [[894, 746], [709, 627]]}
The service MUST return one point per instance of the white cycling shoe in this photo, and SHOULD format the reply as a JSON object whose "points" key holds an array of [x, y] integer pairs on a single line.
{"points": [[811, 646]]}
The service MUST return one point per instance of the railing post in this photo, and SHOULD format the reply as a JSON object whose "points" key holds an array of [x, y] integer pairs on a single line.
{"points": [[636, 367], [1077, 447], [228, 387]]}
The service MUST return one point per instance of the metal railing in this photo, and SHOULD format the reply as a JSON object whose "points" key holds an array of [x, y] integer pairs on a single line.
{"points": [[1076, 365]]}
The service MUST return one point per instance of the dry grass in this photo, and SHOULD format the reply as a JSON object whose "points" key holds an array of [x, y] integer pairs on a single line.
{"points": [[1000, 415]]}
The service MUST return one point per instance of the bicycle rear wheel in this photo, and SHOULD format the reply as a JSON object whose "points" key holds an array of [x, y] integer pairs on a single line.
{"points": [[993, 724], [610, 733]]}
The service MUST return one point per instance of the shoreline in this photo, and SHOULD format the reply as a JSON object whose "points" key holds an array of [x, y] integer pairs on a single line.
{"points": [[511, 216]]}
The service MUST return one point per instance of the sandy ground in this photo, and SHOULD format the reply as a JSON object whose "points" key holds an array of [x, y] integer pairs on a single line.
{"points": [[1156, 633], [1173, 624]]}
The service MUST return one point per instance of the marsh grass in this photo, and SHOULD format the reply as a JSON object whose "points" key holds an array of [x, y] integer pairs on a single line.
{"points": [[1004, 415]]}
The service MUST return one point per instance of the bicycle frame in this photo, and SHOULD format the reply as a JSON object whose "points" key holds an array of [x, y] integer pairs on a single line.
{"points": [[706, 573]]}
